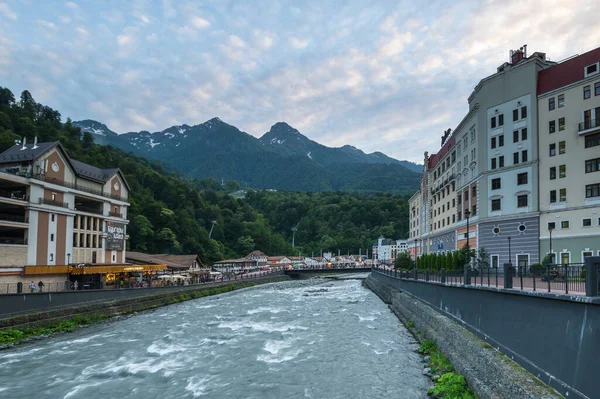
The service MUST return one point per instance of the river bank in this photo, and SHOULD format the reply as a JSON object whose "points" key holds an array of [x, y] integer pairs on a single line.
{"points": [[489, 374], [43, 324]]}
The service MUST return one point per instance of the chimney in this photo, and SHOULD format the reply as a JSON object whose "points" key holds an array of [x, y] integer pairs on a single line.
{"points": [[24, 143], [516, 56], [34, 143]]}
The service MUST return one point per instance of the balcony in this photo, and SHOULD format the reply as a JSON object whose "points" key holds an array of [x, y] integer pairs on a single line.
{"points": [[88, 209], [13, 218], [13, 241], [47, 201], [15, 195], [115, 214], [589, 126]]}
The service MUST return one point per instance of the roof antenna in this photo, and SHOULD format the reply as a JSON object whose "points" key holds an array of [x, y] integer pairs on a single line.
{"points": [[34, 143], [24, 143]]}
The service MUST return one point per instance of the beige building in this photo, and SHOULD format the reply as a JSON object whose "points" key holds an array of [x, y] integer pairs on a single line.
{"points": [[569, 148], [56, 211], [414, 232]]}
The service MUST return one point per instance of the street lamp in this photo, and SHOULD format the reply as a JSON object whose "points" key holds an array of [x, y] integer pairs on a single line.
{"points": [[509, 254], [68, 259], [467, 215], [551, 254]]}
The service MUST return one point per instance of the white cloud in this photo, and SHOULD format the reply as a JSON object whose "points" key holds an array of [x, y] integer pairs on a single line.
{"points": [[130, 76], [46, 24], [7, 12], [298, 43], [235, 41], [144, 19], [395, 44], [72, 5], [199, 23]]}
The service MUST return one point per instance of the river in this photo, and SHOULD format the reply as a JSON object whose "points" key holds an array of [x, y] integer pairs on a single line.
{"points": [[297, 339]]}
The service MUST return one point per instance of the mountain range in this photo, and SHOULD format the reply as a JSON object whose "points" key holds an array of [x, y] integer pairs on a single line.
{"points": [[282, 158]]}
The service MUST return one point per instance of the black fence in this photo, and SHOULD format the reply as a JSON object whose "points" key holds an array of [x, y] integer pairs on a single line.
{"points": [[557, 278]]}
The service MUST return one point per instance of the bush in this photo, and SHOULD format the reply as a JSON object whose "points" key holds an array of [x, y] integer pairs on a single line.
{"points": [[451, 386], [537, 269]]}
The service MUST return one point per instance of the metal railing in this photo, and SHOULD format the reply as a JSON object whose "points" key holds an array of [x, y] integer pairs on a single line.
{"points": [[555, 278], [47, 201], [16, 195], [89, 209], [115, 214], [13, 241], [589, 124], [13, 218]]}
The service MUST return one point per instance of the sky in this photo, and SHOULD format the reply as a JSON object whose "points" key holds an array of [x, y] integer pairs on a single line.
{"points": [[386, 76]]}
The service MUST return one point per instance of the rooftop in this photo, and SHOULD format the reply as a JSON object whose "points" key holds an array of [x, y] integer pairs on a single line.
{"points": [[566, 72]]}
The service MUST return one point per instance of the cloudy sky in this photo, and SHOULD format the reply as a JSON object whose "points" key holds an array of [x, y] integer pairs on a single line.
{"points": [[383, 76]]}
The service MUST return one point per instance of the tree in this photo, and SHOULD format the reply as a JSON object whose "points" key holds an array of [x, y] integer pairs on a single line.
{"points": [[245, 245], [404, 261], [6, 96], [483, 261]]}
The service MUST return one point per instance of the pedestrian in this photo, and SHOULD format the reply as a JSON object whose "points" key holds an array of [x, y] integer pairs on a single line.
{"points": [[122, 283], [41, 285], [75, 285], [32, 287]]}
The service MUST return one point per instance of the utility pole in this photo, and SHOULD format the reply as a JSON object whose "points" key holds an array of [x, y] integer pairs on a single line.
{"points": [[294, 230], [211, 228]]}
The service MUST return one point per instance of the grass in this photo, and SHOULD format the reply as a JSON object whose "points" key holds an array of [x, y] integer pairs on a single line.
{"points": [[450, 385], [410, 324], [14, 336]]}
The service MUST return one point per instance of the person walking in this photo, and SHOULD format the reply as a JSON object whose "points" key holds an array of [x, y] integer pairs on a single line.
{"points": [[75, 285], [41, 285], [32, 287]]}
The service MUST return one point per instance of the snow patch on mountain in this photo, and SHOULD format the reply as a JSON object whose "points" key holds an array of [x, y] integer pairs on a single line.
{"points": [[152, 143], [308, 154]]}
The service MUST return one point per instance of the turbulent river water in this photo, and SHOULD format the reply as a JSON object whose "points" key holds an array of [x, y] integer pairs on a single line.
{"points": [[304, 339]]}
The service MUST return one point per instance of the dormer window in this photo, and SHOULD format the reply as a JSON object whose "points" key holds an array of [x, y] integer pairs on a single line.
{"points": [[592, 69]]}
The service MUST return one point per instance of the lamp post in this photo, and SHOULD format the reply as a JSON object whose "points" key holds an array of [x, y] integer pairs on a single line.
{"points": [[466, 267], [551, 254], [509, 254], [68, 259]]}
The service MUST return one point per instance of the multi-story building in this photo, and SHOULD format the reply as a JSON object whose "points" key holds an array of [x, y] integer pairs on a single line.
{"points": [[569, 170], [414, 235], [489, 165], [386, 250], [56, 212]]}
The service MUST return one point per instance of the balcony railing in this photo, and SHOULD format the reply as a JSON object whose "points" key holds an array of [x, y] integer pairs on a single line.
{"points": [[16, 195], [115, 214], [13, 241], [13, 218], [47, 201], [38, 176], [89, 209], [589, 124]]}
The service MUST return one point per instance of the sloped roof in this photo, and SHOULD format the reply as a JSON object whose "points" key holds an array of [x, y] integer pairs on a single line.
{"points": [[172, 261], [240, 260], [277, 257], [256, 254], [567, 72], [92, 172], [16, 153]]}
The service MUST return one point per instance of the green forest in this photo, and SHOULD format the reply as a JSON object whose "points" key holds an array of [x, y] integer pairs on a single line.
{"points": [[169, 214]]}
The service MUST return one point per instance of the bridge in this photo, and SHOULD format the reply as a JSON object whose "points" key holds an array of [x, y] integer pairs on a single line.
{"points": [[310, 272]]}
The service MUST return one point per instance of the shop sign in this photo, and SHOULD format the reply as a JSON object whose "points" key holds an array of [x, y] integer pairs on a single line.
{"points": [[115, 237]]}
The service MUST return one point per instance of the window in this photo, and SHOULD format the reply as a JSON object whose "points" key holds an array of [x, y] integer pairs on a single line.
{"points": [[52, 217], [465, 141], [493, 122], [496, 205], [587, 92], [562, 171], [466, 160], [552, 149], [552, 126], [515, 136], [496, 184], [500, 120], [561, 101], [553, 173], [562, 147], [501, 161], [565, 224], [524, 156], [522, 201], [473, 135], [522, 178], [524, 134], [51, 257], [458, 166], [592, 140], [473, 152], [453, 202], [516, 158], [474, 210], [561, 124], [493, 142], [466, 195], [501, 140], [551, 104], [53, 196], [515, 115], [591, 69], [586, 222], [592, 190], [444, 208], [563, 195], [473, 191], [495, 261], [597, 89], [592, 165], [453, 218], [524, 111], [493, 163], [551, 225], [552, 196], [114, 257], [51, 237]]}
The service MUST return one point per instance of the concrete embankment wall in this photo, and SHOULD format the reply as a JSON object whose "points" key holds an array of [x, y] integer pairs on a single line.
{"points": [[554, 337], [45, 309]]}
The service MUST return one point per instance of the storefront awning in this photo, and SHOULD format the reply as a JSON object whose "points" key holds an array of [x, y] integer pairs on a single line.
{"points": [[104, 269], [30, 270]]}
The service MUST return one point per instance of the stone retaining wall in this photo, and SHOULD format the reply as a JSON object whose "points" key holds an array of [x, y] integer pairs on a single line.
{"points": [[490, 374]]}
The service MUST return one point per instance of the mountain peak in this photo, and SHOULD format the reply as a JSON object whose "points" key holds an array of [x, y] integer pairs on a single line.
{"points": [[92, 126]]}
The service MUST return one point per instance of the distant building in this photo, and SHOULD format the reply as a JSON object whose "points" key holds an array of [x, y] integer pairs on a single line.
{"points": [[386, 250], [235, 265], [259, 257]]}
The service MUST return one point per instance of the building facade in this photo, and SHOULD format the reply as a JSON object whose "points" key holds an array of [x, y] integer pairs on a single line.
{"points": [[56, 211], [569, 171]]}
